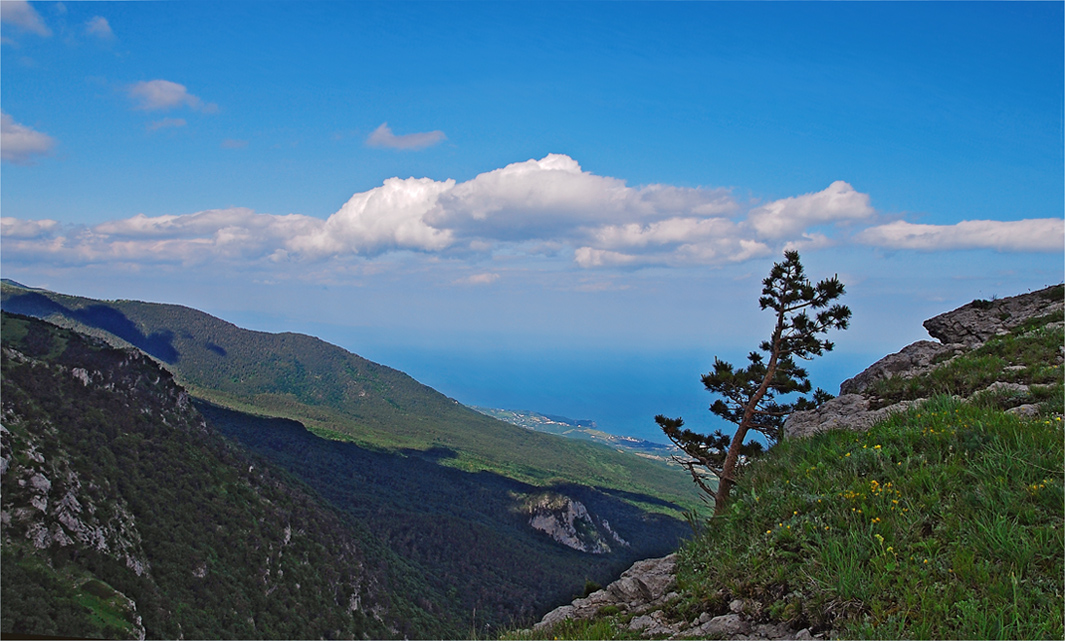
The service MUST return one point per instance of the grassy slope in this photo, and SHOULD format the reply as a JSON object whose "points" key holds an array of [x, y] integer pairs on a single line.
{"points": [[945, 521], [342, 396]]}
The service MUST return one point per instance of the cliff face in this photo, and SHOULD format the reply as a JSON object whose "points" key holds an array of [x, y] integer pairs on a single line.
{"points": [[978, 329], [567, 521]]}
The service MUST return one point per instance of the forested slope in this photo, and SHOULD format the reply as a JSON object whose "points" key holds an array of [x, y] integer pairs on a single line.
{"points": [[240, 525], [124, 513]]}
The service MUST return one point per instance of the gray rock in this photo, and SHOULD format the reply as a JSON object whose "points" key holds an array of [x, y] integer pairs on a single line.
{"points": [[40, 482], [736, 606], [647, 583], [910, 361], [975, 323], [771, 631], [1024, 411], [642, 623], [848, 411], [560, 613], [997, 387], [726, 625]]}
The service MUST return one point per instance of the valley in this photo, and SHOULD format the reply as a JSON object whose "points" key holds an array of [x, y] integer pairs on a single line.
{"points": [[453, 519]]}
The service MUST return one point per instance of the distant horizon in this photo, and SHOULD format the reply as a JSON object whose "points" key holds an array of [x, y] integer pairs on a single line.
{"points": [[621, 391], [562, 203]]}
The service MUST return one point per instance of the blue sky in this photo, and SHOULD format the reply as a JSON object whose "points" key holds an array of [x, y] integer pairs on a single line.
{"points": [[580, 192]]}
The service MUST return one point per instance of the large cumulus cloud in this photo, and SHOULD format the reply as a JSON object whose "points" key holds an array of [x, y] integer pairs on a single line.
{"points": [[545, 207]]}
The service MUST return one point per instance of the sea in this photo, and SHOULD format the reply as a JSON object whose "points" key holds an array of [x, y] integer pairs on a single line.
{"points": [[621, 390]]}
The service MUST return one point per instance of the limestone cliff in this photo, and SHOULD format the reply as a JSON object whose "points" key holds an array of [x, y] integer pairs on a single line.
{"points": [[569, 522]]}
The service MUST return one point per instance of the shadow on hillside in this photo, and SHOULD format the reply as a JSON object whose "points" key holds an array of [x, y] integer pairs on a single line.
{"points": [[464, 530], [157, 344]]}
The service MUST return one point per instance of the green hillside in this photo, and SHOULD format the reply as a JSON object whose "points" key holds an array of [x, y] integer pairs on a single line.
{"points": [[943, 521], [342, 396], [125, 515]]}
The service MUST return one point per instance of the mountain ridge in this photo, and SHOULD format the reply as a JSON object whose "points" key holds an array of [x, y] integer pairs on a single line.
{"points": [[338, 394]]}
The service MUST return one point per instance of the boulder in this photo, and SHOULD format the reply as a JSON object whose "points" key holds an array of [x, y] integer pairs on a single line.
{"points": [[726, 625], [848, 411], [912, 360], [560, 613]]}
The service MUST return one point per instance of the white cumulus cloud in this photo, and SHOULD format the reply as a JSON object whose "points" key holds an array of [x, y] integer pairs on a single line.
{"points": [[391, 216], [383, 137], [545, 210], [1035, 234], [788, 217], [20, 144], [15, 228], [554, 197], [21, 15]]}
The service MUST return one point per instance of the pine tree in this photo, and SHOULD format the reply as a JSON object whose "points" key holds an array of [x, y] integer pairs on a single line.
{"points": [[749, 395]]}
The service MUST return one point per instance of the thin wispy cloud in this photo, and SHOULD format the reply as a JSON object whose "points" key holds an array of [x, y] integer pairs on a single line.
{"points": [[540, 211], [98, 27], [20, 144], [486, 278], [233, 143], [22, 16], [164, 95], [383, 137], [1030, 235], [166, 123]]}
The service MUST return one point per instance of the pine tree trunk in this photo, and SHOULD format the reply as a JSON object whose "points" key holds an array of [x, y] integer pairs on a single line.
{"points": [[726, 480]]}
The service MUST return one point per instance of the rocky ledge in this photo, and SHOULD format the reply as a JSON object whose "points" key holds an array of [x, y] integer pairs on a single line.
{"points": [[959, 332], [646, 589]]}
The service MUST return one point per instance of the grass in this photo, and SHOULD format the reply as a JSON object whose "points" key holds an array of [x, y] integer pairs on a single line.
{"points": [[610, 627], [942, 522], [1032, 350]]}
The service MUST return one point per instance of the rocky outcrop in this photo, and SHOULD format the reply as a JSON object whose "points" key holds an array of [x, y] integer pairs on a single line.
{"points": [[569, 522], [959, 332], [914, 359], [975, 323], [847, 412], [644, 585], [642, 595], [49, 505]]}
